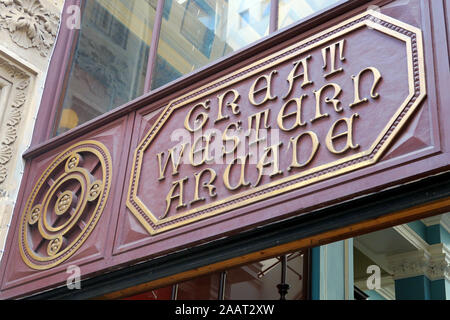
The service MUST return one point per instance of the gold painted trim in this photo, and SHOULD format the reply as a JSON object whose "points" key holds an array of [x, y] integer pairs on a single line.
{"points": [[98, 149], [384, 24]]}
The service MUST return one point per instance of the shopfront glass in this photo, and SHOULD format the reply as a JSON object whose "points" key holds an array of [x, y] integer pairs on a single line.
{"points": [[405, 262], [197, 32], [110, 64], [110, 59], [290, 11]]}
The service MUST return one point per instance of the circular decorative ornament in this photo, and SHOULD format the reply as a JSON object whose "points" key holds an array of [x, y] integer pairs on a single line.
{"points": [[65, 205]]}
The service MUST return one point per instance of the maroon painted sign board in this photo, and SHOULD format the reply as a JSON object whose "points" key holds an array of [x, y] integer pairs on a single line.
{"points": [[331, 115]]}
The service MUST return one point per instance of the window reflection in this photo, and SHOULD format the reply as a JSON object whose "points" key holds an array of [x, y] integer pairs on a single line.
{"points": [[404, 262], [110, 57], [290, 11], [110, 60], [197, 32], [254, 281], [201, 288], [157, 294], [258, 281]]}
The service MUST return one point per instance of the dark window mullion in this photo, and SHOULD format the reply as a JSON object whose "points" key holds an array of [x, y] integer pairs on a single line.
{"points": [[154, 45], [273, 25], [174, 295], [222, 283]]}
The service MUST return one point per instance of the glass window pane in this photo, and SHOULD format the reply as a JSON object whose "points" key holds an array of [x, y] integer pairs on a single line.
{"points": [[110, 59], [202, 288], [156, 294], [290, 11], [401, 262], [258, 281], [197, 32]]}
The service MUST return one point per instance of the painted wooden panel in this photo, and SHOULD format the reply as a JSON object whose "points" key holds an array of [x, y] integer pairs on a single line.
{"points": [[349, 108]]}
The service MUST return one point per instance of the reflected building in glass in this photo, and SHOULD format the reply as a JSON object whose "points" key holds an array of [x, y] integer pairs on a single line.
{"points": [[110, 60], [195, 33]]}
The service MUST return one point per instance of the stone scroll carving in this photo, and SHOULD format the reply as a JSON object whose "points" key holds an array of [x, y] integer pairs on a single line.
{"points": [[17, 91], [30, 24]]}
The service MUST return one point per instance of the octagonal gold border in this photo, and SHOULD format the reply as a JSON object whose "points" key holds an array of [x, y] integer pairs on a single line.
{"points": [[412, 37]]}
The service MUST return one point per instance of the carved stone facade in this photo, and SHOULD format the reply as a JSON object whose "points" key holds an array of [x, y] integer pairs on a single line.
{"points": [[28, 30], [433, 263], [16, 91], [29, 24]]}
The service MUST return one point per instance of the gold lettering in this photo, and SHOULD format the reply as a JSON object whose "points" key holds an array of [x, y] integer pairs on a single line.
{"points": [[257, 117], [334, 100], [171, 196], [234, 139], [175, 162], [292, 77], [294, 143], [376, 79], [349, 134], [202, 117], [332, 50], [233, 105], [209, 185], [297, 113], [273, 151], [203, 150], [267, 89], [241, 182]]}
